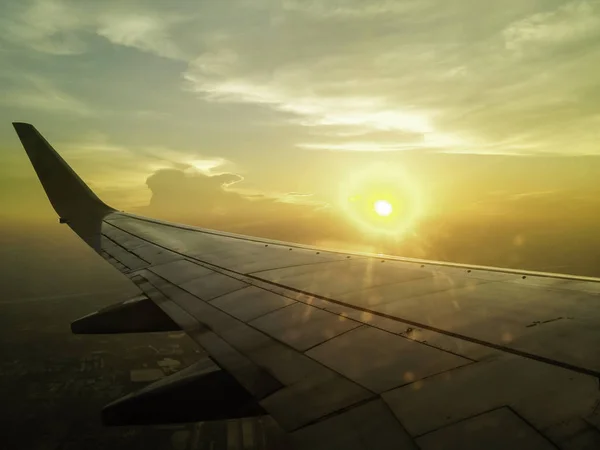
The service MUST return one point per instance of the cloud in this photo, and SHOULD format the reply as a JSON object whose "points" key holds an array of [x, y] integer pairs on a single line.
{"points": [[143, 31], [119, 172], [47, 26], [351, 9], [361, 146], [37, 93], [172, 188], [216, 201], [60, 27], [213, 194], [535, 195], [461, 90], [572, 22], [458, 77], [221, 76]]}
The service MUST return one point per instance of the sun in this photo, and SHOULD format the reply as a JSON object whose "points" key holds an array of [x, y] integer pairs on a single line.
{"points": [[383, 208], [382, 199]]}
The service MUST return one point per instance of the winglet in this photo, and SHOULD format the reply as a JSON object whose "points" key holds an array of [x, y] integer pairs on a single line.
{"points": [[71, 198]]}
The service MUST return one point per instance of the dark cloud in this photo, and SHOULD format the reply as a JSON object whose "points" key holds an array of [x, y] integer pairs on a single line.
{"points": [[174, 190], [213, 202]]}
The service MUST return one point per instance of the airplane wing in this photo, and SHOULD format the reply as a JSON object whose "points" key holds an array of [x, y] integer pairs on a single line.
{"points": [[344, 350]]}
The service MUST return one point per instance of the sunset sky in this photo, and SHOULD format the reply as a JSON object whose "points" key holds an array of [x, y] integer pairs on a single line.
{"points": [[266, 117]]}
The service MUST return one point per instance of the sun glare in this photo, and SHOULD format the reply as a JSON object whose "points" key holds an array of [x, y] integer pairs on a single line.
{"points": [[382, 199], [383, 208]]}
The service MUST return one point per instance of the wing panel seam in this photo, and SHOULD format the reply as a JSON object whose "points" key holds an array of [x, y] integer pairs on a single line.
{"points": [[126, 249]]}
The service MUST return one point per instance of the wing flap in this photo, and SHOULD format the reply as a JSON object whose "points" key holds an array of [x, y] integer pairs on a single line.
{"points": [[368, 426], [137, 315], [198, 393]]}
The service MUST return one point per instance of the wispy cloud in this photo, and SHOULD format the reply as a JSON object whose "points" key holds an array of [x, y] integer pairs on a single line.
{"points": [[463, 92], [567, 24], [39, 94], [348, 69], [350, 9], [220, 77], [60, 27], [144, 31], [534, 195], [361, 146], [47, 26]]}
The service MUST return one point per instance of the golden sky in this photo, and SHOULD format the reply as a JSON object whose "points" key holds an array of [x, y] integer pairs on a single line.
{"points": [[479, 120]]}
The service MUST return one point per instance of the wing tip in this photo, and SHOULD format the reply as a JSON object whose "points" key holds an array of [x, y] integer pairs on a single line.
{"points": [[18, 125], [24, 129], [72, 199]]}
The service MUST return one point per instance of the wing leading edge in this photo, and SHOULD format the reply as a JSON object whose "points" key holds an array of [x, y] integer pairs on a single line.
{"points": [[347, 350]]}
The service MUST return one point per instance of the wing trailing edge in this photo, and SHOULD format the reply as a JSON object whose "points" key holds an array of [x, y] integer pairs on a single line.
{"points": [[137, 315], [198, 393]]}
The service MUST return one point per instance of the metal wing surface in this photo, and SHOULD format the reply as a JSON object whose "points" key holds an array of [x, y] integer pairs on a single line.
{"points": [[349, 350]]}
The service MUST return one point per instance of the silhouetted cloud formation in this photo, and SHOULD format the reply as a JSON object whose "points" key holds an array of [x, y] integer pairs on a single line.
{"points": [[213, 201], [173, 189]]}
